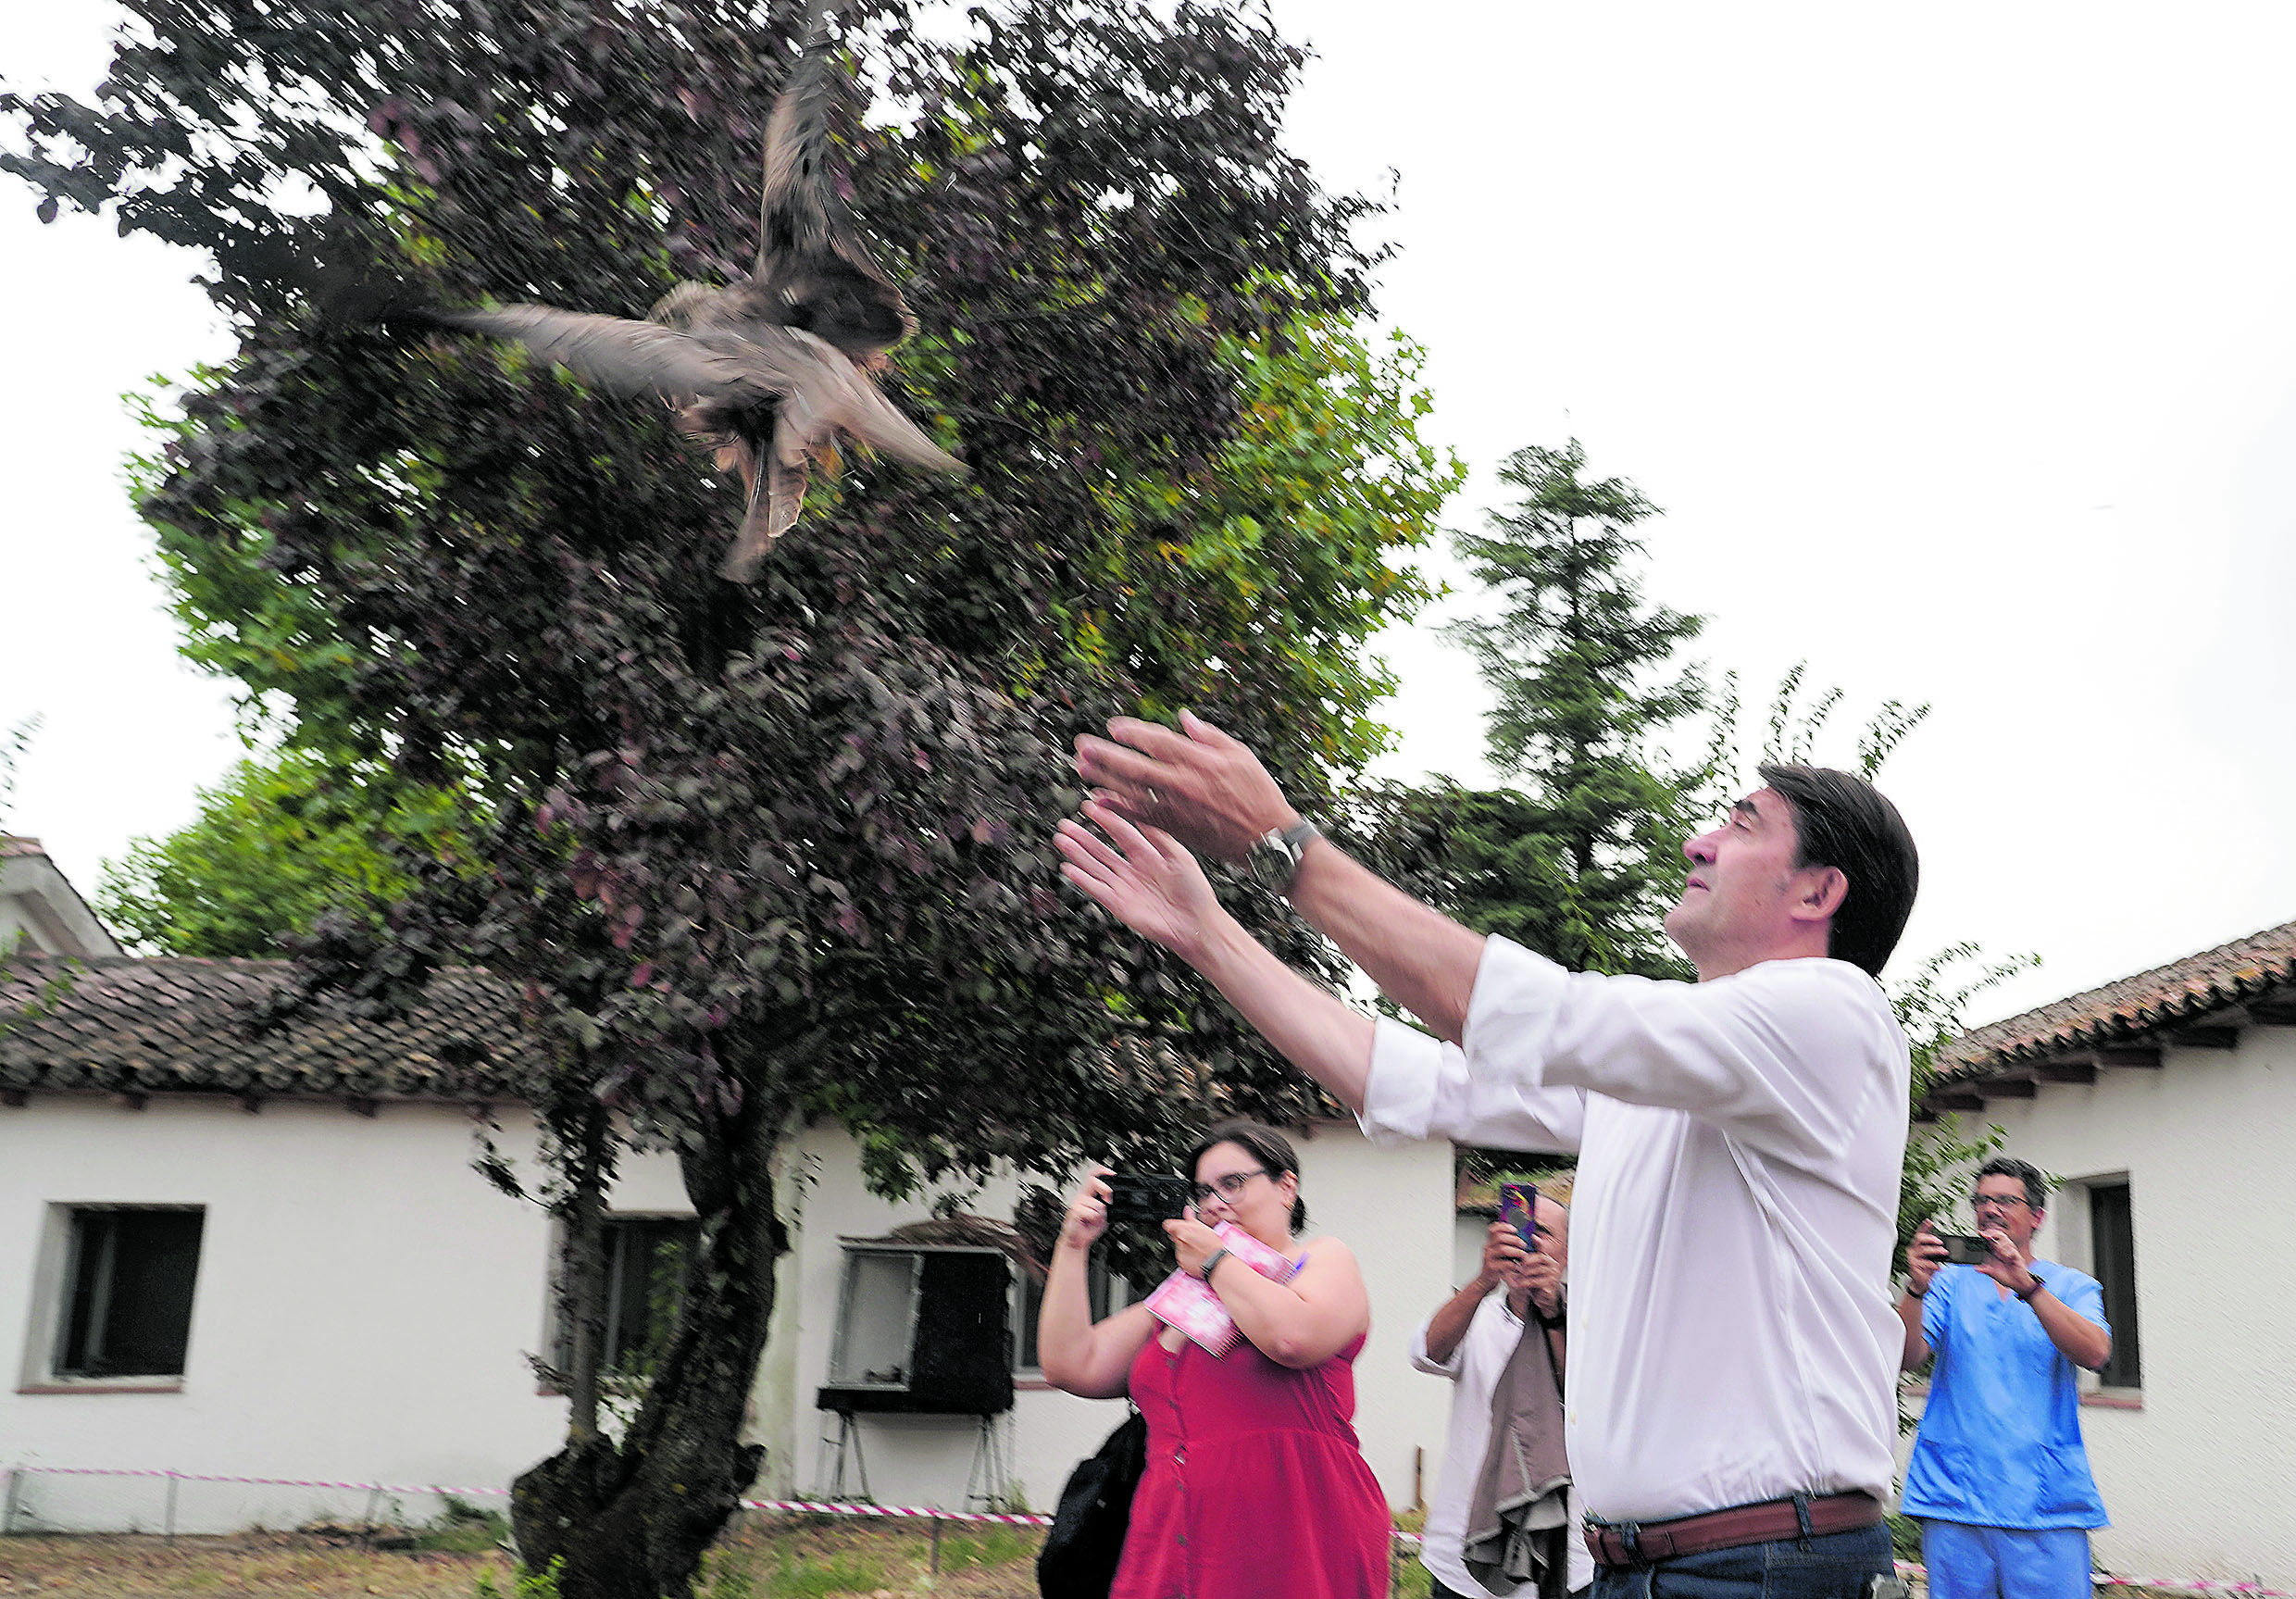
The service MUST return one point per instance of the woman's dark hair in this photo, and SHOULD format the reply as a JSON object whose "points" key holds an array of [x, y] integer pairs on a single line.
{"points": [[1268, 1146], [1845, 823], [2025, 1172]]}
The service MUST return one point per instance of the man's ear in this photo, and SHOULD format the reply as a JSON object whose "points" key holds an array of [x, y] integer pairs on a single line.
{"points": [[1824, 891]]}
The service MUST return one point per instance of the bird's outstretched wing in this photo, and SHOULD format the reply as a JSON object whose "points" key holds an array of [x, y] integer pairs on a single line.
{"points": [[727, 382], [617, 352], [817, 386], [811, 260]]}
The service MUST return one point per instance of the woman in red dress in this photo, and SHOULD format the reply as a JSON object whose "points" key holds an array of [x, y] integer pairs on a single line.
{"points": [[1255, 1482]]}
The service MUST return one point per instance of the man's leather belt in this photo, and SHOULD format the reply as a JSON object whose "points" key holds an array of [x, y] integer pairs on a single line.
{"points": [[1643, 1543]]}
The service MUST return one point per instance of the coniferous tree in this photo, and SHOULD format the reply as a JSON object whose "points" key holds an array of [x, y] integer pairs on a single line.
{"points": [[1589, 690]]}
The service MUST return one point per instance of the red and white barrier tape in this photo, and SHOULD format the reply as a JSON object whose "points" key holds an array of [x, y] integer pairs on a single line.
{"points": [[259, 1481], [931, 1512], [934, 1513], [806, 1506]]}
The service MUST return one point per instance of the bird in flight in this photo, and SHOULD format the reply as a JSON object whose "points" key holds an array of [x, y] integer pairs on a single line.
{"points": [[772, 368]]}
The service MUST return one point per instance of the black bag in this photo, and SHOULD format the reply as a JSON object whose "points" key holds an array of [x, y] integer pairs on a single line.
{"points": [[1079, 1560]]}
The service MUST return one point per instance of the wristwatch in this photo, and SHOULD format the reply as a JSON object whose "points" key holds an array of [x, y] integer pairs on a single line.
{"points": [[1275, 857]]}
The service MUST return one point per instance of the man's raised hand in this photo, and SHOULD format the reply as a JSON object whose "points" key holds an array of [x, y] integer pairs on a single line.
{"points": [[1142, 877], [1924, 1255], [2007, 1267], [1199, 785]]}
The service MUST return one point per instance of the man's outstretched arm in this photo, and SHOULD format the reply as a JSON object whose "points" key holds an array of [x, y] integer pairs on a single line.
{"points": [[1149, 883], [1211, 793]]}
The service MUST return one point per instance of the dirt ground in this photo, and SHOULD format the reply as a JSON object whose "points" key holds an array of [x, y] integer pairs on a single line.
{"points": [[771, 1558], [777, 1557]]}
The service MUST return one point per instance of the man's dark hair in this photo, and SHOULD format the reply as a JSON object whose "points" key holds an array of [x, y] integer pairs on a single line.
{"points": [[2025, 1172], [1845, 823], [1268, 1146]]}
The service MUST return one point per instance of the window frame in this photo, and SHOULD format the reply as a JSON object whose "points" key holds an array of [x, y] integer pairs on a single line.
{"points": [[55, 1291], [2123, 1376], [1106, 1294], [558, 1333]]}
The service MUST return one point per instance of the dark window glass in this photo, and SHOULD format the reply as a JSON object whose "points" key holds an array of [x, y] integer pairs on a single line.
{"points": [[2113, 1250], [645, 1263], [1099, 1288], [128, 1308]]}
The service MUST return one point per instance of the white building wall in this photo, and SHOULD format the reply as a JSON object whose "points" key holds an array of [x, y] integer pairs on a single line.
{"points": [[40, 909], [364, 1305], [366, 1302], [1469, 1232], [2201, 1482]]}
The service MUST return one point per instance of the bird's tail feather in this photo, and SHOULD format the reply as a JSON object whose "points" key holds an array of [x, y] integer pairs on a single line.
{"points": [[777, 493]]}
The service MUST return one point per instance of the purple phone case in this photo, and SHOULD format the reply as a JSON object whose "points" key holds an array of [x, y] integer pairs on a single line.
{"points": [[1518, 1203]]}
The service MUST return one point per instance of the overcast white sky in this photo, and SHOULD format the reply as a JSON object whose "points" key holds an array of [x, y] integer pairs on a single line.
{"points": [[1958, 343]]}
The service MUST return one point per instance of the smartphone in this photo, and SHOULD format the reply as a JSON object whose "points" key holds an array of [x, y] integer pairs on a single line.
{"points": [[1964, 1249], [1518, 1206], [1145, 1196]]}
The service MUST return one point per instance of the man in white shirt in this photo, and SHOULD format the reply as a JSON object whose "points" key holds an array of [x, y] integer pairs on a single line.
{"points": [[1469, 1339], [1730, 1408]]}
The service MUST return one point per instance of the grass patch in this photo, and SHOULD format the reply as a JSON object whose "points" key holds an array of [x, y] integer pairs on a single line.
{"points": [[837, 1574], [990, 1546], [464, 1528]]}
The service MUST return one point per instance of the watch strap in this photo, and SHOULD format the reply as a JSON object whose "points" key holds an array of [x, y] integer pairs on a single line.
{"points": [[1289, 843]]}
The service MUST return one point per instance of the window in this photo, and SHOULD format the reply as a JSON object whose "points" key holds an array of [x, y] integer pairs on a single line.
{"points": [[646, 1262], [1103, 1291], [126, 1308], [877, 1319], [2113, 1259]]}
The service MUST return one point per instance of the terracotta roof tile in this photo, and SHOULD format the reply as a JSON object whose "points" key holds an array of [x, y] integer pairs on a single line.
{"points": [[2180, 994], [177, 1023], [117, 1024]]}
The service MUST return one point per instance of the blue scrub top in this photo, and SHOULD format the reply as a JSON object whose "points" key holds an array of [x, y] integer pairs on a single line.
{"points": [[2000, 1442]]}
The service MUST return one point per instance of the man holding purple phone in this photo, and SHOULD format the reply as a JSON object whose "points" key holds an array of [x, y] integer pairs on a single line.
{"points": [[1469, 1339], [1730, 1403]]}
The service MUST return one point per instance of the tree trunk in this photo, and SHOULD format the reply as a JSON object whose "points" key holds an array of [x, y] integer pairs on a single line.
{"points": [[582, 1272], [632, 1520]]}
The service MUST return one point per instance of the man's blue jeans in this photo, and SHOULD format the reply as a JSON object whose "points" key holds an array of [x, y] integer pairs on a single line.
{"points": [[1833, 1566]]}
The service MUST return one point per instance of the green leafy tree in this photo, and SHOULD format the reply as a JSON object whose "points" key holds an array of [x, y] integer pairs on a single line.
{"points": [[275, 847], [1588, 691], [753, 854]]}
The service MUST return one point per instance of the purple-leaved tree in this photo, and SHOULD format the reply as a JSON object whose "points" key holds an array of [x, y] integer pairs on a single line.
{"points": [[758, 853]]}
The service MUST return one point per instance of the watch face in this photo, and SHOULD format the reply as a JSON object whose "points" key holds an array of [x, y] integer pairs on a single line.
{"points": [[1272, 864]]}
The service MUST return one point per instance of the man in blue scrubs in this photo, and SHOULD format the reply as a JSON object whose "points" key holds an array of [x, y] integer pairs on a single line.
{"points": [[1999, 1477]]}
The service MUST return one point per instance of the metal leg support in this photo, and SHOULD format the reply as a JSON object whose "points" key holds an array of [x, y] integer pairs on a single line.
{"points": [[848, 1444]]}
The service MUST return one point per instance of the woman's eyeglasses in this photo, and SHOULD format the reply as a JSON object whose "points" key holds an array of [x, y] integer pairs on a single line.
{"points": [[1226, 1187]]}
